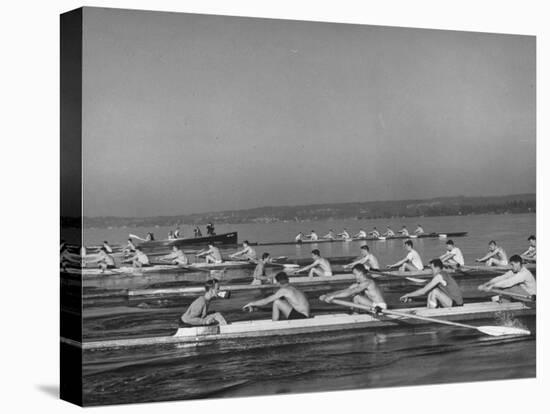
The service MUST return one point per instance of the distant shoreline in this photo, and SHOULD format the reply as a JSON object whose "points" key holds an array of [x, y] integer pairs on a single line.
{"points": [[435, 207]]}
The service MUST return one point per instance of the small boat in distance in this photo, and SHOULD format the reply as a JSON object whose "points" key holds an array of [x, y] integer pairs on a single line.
{"points": [[160, 246]]}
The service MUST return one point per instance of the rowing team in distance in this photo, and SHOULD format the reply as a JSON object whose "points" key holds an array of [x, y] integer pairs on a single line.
{"points": [[288, 302], [362, 234]]}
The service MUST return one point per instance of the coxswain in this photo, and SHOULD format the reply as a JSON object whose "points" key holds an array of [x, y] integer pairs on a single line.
{"points": [[442, 290], [288, 302]]}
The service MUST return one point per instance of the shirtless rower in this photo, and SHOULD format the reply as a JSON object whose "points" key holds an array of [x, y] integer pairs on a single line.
{"points": [[389, 232], [299, 237], [442, 290], [419, 230], [361, 235], [313, 236], [130, 247], [374, 233], [150, 237], [364, 290], [211, 255], [197, 313], [495, 257], [319, 267], [530, 255], [259, 276], [517, 280], [176, 257], [330, 235], [411, 262], [366, 259], [345, 234], [139, 259], [247, 252], [404, 231], [287, 301], [453, 256]]}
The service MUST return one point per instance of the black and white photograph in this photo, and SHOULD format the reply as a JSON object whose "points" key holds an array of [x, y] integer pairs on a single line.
{"points": [[260, 206]]}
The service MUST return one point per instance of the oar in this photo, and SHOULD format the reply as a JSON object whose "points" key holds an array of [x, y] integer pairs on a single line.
{"points": [[133, 236], [488, 330], [514, 295]]}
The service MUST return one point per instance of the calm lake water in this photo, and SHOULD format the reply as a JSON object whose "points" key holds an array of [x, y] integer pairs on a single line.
{"points": [[320, 362]]}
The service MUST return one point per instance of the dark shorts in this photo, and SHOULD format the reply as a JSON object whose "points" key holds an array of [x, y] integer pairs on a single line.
{"points": [[110, 267], [294, 314]]}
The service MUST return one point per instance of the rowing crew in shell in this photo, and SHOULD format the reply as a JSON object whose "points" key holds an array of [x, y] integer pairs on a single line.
{"points": [[411, 262], [495, 257], [247, 252], [319, 267], [530, 255]]}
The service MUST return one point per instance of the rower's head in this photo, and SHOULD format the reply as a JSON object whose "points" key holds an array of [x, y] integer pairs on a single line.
{"points": [[365, 250], [105, 242], [492, 245], [516, 262], [408, 245], [436, 265], [281, 278], [265, 256], [211, 288], [315, 253], [245, 243], [450, 245], [360, 272], [175, 248], [404, 227], [532, 240]]}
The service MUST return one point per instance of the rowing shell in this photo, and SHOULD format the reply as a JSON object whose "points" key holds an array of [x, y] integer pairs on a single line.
{"points": [[370, 238], [321, 323]]}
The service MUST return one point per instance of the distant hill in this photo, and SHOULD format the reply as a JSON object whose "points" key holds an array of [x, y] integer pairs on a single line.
{"points": [[442, 206]]}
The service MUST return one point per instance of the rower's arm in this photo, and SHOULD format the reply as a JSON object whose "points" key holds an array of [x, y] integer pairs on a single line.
{"points": [[399, 263], [311, 266], [488, 256], [445, 256], [345, 293], [507, 282], [425, 289], [266, 301]]}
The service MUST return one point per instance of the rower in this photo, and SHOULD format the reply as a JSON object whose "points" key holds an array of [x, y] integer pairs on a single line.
{"points": [[518, 280], [150, 237], [374, 233], [364, 290], [176, 257], [530, 255], [197, 231], [130, 247], [288, 301], [453, 256], [319, 267], [361, 235], [419, 230], [442, 290], [105, 260], [139, 259], [210, 231], [64, 256], [313, 236], [178, 234], [108, 248], [404, 231], [211, 255], [259, 276], [247, 252], [330, 235], [366, 259], [171, 235], [389, 232], [412, 261], [299, 237], [197, 313], [495, 257], [345, 234]]}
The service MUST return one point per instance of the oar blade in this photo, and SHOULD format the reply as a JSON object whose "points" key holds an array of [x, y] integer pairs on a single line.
{"points": [[502, 330]]}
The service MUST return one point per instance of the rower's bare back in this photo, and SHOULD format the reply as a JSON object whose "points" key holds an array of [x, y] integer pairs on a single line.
{"points": [[295, 298]]}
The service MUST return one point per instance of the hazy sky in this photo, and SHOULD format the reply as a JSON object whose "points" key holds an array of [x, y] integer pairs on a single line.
{"points": [[193, 113]]}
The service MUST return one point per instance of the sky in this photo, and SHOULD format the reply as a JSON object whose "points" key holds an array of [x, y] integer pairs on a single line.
{"points": [[188, 113]]}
